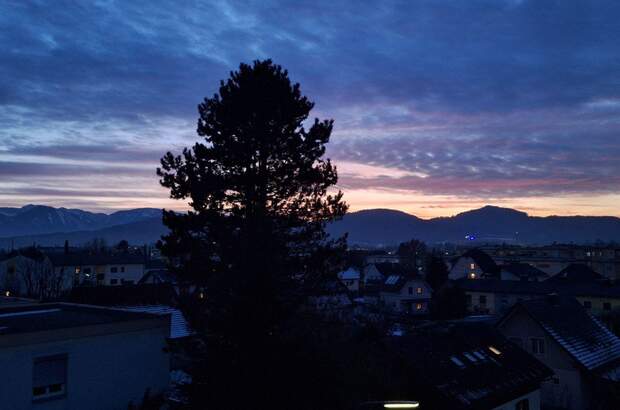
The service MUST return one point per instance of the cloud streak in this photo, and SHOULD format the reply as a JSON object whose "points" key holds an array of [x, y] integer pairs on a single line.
{"points": [[489, 100]]}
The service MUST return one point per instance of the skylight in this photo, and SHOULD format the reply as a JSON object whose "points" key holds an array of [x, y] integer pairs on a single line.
{"points": [[457, 362], [494, 350]]}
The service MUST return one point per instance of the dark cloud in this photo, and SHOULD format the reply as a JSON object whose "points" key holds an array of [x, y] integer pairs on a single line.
{"points": [[481, 97]]}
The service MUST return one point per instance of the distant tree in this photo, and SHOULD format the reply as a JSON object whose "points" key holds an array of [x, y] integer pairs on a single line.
{"points": [[32, 268], [122, 246], [96, 245], [254, 238], [412, 254], [436, 272]]}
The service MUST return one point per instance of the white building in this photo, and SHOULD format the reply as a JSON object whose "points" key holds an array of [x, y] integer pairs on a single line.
{"points": [[64, 356]]}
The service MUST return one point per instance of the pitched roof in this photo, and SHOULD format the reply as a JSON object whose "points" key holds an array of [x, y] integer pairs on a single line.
{"points": [[85, 258], [523, 270], [584, 338], [482, 259], [349, 274], [513, 287], [178, 325], [389, 269], [576, 272], [470, 365]]}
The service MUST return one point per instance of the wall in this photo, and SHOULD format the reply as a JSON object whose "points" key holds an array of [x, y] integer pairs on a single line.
{"points": [[462, 269], [104, 372], [532, 397], [566, 389]]}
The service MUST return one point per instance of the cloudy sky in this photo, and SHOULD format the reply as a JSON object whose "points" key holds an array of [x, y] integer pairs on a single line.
{"points": [[439, 106]]}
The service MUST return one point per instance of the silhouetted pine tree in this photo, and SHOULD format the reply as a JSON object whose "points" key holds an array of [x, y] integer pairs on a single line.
{"points": [[254, 238]]}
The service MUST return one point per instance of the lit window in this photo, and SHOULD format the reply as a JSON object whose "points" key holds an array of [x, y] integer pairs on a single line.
{"points": [[418, 306], [419, 291], [495, 350], [49, 377], [538, 346], [77, 270], [472, 266]]}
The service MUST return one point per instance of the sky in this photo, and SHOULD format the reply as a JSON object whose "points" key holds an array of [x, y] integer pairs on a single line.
{"points": [[439, 106]]}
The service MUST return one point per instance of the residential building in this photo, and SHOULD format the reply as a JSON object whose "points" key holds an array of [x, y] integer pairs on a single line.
{"points": [[470, 366], [494, 296], [473, 264], [351, 279], [107, 269], [66, 356], [584, 354], [409, 295], [521, 271]]}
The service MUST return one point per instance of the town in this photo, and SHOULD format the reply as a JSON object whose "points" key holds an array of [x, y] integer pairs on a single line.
{"points": [[503, 326]]}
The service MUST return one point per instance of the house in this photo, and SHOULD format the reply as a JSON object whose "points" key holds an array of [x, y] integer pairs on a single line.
{"points": [[521, 271], [576, 273], [406, 294], [330, 297], [470, 366], [376, 273], [29, 272], [67, 356], [351, 279], [108, 269], [473, 264], [584, 354], [494, 296]]}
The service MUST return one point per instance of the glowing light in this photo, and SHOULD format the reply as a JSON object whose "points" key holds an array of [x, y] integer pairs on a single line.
{"points": [[494, 350], [7, 293], [402, 405]]}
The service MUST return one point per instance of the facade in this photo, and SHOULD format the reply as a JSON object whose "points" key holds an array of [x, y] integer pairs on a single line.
{"points": [[494, 296], [583, 354], [100, 269], [473, 264], [406, 295], [63, 356]]}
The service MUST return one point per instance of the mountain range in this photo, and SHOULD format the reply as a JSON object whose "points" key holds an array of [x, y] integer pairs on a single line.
{"points": [[50, 226]]}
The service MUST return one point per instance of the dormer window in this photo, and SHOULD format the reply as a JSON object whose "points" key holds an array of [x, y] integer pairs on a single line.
{"points": [[419, 291]]}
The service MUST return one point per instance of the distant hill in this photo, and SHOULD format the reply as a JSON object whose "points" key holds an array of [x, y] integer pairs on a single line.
{"points": [[49, 226], [40, 219]]}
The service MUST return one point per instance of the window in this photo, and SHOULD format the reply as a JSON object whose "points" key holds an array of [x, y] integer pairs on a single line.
{"points": [[495, 350], [606, 306], [468, 299], [483, 299], [113, 269], [77, 270], [113, 281], [523, 405], [457, 362], [587, 304], [419, 291], [122, 269], [418, 306], [49, 377], [538, 346], [410, 290], [472, 266]]}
